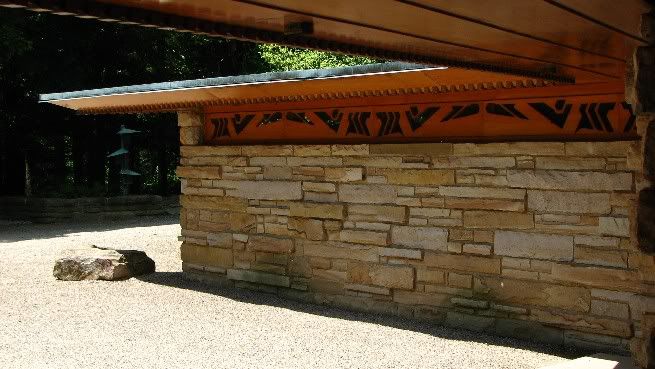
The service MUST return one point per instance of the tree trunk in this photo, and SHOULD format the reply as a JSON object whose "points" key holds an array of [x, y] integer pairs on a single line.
{"points": [[28, 179]]}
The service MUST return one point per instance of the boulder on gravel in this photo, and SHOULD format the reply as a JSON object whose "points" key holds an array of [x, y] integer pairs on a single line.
{"points": [[96, 263]]}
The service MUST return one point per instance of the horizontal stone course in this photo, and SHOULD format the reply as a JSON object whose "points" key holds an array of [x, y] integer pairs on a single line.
{"points": [[533, 245], [482, 192], [565, 180], [569, 202], [427, 238]]}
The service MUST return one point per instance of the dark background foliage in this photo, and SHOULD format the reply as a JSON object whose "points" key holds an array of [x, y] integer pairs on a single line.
{"points": [[65, 154]]}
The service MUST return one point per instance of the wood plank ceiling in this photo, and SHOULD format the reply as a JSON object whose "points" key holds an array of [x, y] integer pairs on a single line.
{"points": [[566, 40]]}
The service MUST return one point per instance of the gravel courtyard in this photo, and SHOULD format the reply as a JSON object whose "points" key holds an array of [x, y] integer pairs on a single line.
{"points": [[164, 321]]}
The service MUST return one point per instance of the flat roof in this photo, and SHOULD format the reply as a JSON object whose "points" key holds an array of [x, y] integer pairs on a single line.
{"points": [[317, 84]]}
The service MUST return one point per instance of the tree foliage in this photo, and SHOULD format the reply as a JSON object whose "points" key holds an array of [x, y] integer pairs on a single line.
{"points": [[282, 58], [66, 153]]}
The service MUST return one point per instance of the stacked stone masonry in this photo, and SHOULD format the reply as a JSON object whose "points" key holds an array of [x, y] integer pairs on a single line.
{"points": [[526, 239]]}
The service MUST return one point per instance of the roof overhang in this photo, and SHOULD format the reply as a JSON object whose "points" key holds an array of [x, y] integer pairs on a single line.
{"points": [[563, 40], [388, 79]]}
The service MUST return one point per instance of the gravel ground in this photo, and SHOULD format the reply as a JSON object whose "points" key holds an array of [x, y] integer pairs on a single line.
{"points": [[165, 321]]}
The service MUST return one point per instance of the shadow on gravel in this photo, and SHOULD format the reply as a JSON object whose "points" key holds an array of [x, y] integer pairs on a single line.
{"points": [[178, 280], [23, 231]]}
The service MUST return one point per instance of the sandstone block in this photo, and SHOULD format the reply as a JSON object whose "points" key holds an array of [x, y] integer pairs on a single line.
{"points": [[476, 162], [511, 148], [223, 240], [482, 192], [214, 203], [419, 177], [566, 180], [299, 266], [607, 278], [483, 236], [533, 245], [264, 190], [616, 149], [429, 212], [318, 187], [367, 193], [485, 204], [430, 276], [320, 197], [343, 174], [339, 250], [365, 237], [350, 150], [568, 163], [523, 292], [268, 161], [474, 304], [498, 220], [597, 241], [258, 277], [221, 221], [277, 173], [569, 202], [318, 161], [202, 255], [612, 226], [459, 280], [316, 210], [584, 323], [464, 263], [389, 276], [376, 213], [368, 289], [312, 228], [270, 244], [610, 258], [611, 309], [400, 253], [417, 298], [190, 136], [330, 275], [95, 263], [264, 150], [190, 118], [476, 248], [311, 150], [428, 238]]}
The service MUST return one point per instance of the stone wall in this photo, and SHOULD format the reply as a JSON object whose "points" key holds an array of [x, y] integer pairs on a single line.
{"points": [[526, 239], [49, 210]]}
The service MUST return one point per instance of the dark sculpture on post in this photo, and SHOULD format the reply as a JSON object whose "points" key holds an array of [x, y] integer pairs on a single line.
{"points": [[123, 154]]}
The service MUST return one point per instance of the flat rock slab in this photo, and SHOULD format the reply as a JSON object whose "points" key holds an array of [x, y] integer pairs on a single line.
{"points": [[95, 263]]}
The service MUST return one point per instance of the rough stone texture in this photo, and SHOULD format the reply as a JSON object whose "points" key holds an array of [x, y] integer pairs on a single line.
{"points": [[564, 180], [427, 238], [533, 245], [569, 202], [367, 194], [96, 263], [311, 210], [504, 237]]}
